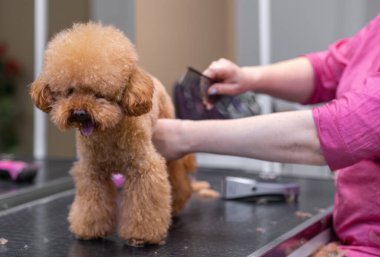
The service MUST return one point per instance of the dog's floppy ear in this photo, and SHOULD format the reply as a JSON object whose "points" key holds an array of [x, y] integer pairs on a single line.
{"points": [[138, 94], [41, 94]]}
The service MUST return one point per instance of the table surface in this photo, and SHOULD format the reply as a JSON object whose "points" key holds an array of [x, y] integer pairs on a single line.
{"points": [[206, 227]]}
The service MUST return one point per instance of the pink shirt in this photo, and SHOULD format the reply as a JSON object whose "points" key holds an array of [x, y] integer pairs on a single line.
{"points": [[347, 76]]}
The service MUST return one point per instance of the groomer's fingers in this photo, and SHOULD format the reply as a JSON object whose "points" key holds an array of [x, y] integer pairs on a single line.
{"points": [[219, 70], [224, 89], [227, 75]]}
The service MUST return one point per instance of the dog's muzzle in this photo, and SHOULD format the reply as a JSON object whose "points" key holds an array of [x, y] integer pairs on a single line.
{"points": [[84, 120]]}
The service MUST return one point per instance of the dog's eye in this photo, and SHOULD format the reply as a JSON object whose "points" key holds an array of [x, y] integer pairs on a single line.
{"points": [[98, 96], [70, 91]]}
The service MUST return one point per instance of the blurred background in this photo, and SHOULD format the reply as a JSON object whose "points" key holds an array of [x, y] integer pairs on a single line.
{"points": [[169, 36]]}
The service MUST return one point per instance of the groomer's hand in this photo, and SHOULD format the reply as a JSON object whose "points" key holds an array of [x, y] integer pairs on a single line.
{"points": [[168, 138], [231, 77]]}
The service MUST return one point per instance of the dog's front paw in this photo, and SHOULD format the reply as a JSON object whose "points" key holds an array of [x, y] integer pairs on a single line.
{"points": [[135, 242], [85, 232], [138, 238], [86, 224]]}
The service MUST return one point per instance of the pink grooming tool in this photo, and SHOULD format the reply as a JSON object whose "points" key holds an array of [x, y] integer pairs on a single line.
{"points": [[18, 170]]}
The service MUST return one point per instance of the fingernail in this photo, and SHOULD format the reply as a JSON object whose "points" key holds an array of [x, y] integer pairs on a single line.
{"points": [[213, 91]]}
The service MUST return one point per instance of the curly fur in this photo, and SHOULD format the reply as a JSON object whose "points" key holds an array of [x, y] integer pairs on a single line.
{"points": [[91, 81]]}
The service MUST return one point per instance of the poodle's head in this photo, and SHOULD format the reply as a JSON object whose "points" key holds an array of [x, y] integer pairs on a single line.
{"points": [[90, 79]]}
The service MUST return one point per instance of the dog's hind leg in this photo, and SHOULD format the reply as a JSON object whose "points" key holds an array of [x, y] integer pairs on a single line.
{"points": [[180, 181], [93, 212], [145, 210]]}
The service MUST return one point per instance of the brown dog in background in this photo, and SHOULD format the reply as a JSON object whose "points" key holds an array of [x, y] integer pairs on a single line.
{"points": [[91, 81]]}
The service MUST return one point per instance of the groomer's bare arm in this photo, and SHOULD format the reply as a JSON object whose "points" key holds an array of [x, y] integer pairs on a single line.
{"points": [[289, 137], [291, 80]]}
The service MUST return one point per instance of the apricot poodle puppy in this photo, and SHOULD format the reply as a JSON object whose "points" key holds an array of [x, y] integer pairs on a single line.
{"points": [[91, 81]]}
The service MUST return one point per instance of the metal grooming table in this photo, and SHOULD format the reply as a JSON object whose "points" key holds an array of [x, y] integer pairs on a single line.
{"points": [[207, 227]]}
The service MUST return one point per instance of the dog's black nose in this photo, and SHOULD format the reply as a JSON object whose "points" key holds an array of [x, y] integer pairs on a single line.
{"points": [[80, 115]]}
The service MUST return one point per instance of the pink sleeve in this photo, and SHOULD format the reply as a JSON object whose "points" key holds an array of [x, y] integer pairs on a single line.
{"points": [[349, 128], [329, 65]]}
